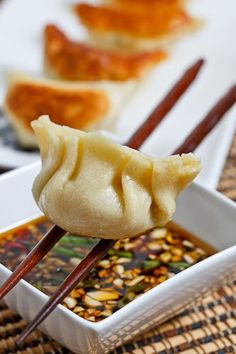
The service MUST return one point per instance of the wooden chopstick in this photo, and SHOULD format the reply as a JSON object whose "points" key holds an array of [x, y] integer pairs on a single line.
{"points": [[55, 233], [103, 246], [195, 138], [167, 103], [35, 255]]}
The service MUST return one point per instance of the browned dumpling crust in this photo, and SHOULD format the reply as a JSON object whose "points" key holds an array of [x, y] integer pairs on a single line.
{"points": [[81, 105], [75, 109], [147, 2], [69, 60], [136, 22]]}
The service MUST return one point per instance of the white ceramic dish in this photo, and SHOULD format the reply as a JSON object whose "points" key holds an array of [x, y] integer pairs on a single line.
{"points": [[204, 213], [23, 35]]}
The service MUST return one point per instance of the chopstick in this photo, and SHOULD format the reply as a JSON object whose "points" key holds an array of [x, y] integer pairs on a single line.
{"points": [[145, 130], [155, 118], [194, 139], [103, 246]]}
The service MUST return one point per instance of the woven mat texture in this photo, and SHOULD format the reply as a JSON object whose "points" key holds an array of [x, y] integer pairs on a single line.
{"points": [[207, 327]]}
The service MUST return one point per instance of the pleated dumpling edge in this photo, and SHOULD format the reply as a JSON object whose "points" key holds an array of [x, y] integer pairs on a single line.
{"points": [[92, 186]]}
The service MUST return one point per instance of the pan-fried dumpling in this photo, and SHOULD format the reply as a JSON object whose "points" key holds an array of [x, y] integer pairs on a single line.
{"points": [[81, 105], [136, 27], [146, 3], [91, 186], [69, 60]]}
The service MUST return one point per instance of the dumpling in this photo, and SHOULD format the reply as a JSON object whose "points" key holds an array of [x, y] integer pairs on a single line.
{"points": [[134, 26], [80, 105], [146, 3], [70, 60], [92, 186]]}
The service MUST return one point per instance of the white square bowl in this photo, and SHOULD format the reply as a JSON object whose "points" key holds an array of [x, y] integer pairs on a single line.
{"points": [[205, 213]]}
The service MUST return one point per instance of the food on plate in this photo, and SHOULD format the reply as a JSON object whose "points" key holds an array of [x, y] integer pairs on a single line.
{"points": [[131, 268], [144, 4], [69, 60], [81, 105], [135, 27], [92, 186], [147, 2]]}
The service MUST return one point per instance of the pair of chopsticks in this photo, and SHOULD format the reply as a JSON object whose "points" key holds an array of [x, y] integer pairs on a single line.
{"points": [[102, 247]]}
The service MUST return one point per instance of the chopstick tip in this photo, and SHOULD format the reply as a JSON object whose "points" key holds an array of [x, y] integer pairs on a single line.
{"points": [[234, 89], [200, 62], [22, 337], [19, 342]]}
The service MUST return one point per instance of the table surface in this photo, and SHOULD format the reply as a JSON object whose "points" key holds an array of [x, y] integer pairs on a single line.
{"points": [[207, 326]]}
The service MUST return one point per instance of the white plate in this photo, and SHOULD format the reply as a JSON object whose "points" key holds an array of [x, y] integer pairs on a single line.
{"points": [[204, 213], [21, 24]]}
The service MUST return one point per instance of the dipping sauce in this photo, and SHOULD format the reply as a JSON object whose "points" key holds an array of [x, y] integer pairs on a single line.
{"points": [[130, 269]]}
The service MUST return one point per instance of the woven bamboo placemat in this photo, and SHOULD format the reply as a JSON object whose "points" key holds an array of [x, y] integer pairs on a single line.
{"points": [[207, 327]]}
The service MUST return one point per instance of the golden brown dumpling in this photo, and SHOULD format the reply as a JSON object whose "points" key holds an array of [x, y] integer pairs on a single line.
{"points": [[91, 186], [136, 26], [146, 3], [80, 105], [70, 60]]}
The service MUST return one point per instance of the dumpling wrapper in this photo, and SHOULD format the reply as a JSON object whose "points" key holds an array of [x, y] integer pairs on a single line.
{"points": [[81, 105], [69, 60], [135, 27], [92, 186], [147, 3]]}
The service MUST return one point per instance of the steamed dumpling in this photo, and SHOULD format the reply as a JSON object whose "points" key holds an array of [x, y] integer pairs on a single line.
{"points": [[91, 186], [69, 60], [81, 105], [137, 27]]}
